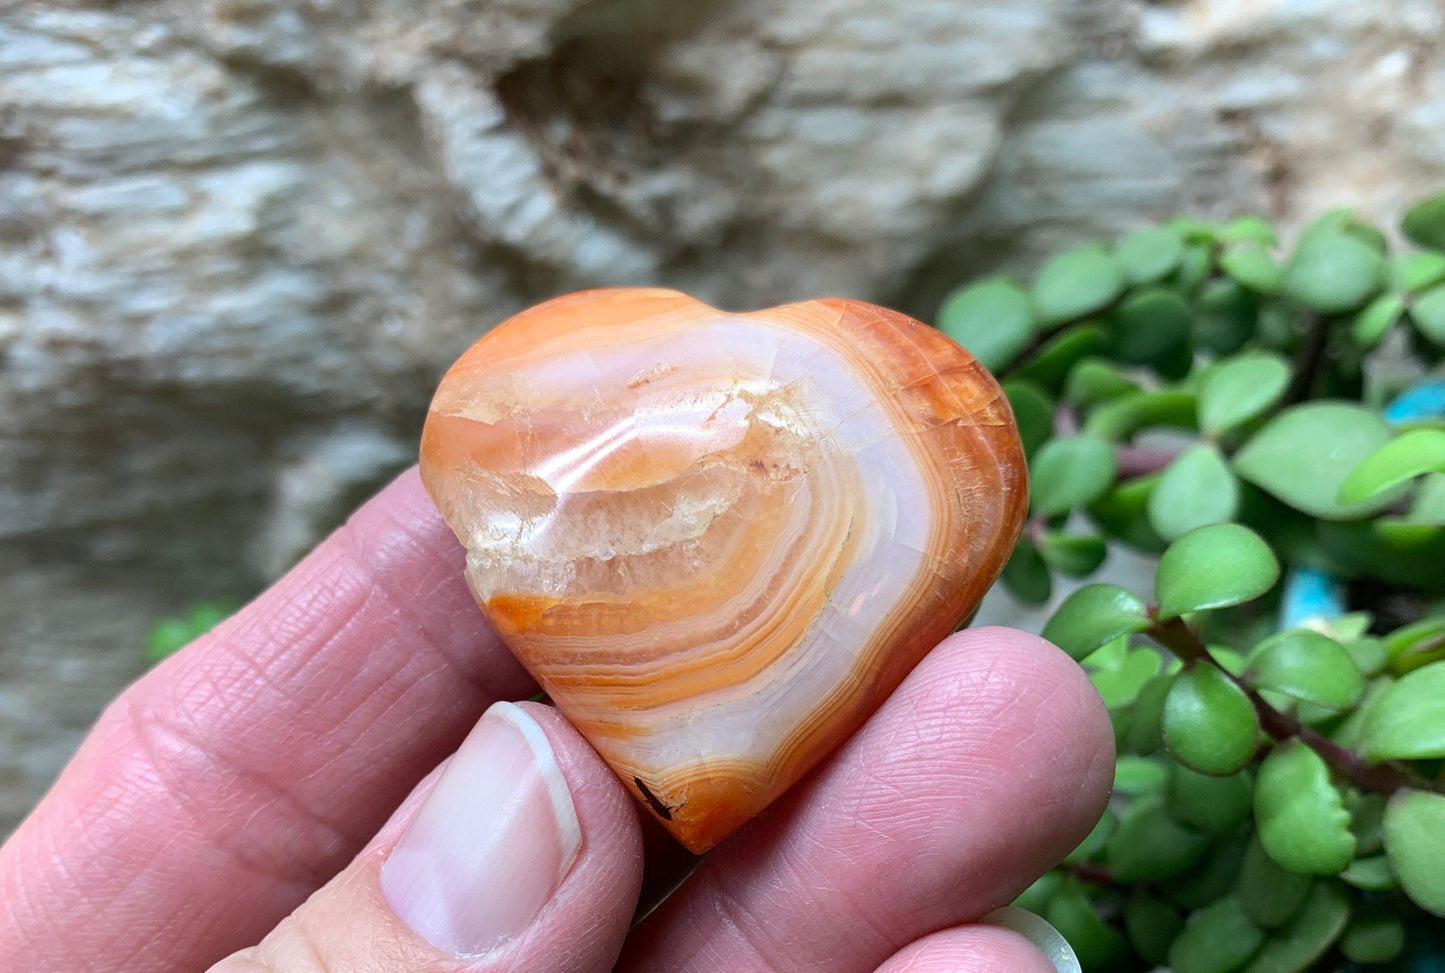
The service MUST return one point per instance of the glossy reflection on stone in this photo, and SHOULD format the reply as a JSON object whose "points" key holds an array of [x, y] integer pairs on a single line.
{"points": [[719, 541]]}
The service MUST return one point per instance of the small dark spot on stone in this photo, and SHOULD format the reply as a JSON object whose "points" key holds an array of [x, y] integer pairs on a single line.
{"points": [[663, 811]]}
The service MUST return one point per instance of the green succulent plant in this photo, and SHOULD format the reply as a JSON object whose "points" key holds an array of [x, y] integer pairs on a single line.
{"points": [[1270, 423], [169, 635]]}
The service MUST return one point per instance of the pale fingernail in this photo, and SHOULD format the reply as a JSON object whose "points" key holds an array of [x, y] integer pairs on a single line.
{"points": [[492, 842], [1038, 931]]}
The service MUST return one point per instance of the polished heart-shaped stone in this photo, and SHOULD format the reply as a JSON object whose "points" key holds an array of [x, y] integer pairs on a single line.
{"points": [[719, 541]]}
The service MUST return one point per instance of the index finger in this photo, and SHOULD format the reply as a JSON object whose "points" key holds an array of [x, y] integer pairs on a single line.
{"points": [[227, 784]]}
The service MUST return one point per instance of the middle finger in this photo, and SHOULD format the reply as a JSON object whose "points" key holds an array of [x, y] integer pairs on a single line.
{"points": [[987, 765]]}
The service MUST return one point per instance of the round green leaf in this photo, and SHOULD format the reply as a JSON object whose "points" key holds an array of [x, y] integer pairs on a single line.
{"points": [[1367, 821], [1416, 645], [1208, 803], [1369, 654], [1110, 655], [1122, 513], [1077, 555], [1378, 317], [1304, 939], [1177, 365], [1216, 939], [1152, 925], [1412, 454], [207, 615], [1145, 734], [1302, 823], [1118, 686], [1150, 326], [1149, 845], [1225, 315], [1139, 775], [1429, 505], [1228, 659], [1048, 367], [1213, 567], [1149, 254], [1309, 666], [992, 319], [1094, 615], [1279, 324], [1333, 272], [1270, 893], [1369, 234], [1213, 878], [1252, 266], [1097, 944], [1372, 874], [1415, 844], [1374, 935], [1243, 228], [1092, 381], [1094, 843], [1197, 489], [1070, 472], [1194, 230], [1407, 722], [1033, 413], [1209, 723], [1194, 267], [1076, 283], [1026, 575], [1239, 389], [1414, 272], [1303, 455], [167, 637], [1428, 313], [1037, 896], [1425, 222], [1118, 419]]}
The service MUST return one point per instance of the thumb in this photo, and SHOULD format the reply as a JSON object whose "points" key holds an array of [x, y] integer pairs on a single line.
{"points": [[522, 853]]}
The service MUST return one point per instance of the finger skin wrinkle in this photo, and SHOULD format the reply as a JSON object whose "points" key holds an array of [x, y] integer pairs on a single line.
{"points": [[289, 949], [185, 769], [239, 774], [739, 929], [490, 680]]}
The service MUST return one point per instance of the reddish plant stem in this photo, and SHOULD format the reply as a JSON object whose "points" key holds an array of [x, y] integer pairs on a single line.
{"points": [[1034, 529], [1066, 421], [1091, 872], [1383, 778], [1131, 460], [1141, 460]]}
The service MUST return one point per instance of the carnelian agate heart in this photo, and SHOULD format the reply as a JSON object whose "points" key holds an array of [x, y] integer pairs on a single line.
{"points": [[719, 541]]}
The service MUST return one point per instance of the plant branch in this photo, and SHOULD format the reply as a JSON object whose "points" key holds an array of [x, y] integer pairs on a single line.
{"points": [[1307, 360], [1384, 778], [1134, 461], [1090, 872]]}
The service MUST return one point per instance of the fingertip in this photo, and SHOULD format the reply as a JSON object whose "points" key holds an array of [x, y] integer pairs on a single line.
{"points": [[521, 852], [606, 811], [527, 844], [978, 949], [1035, 671]]}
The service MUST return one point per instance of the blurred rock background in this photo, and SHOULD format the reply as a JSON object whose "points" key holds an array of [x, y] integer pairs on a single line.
{"points": [[241, 239]]}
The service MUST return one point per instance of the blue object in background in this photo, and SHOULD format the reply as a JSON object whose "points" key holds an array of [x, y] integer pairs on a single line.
{"points": [[1310, 594], [1424, 401]]}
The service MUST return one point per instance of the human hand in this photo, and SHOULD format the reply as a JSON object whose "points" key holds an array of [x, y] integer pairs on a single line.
{"points": [[281, 757]]}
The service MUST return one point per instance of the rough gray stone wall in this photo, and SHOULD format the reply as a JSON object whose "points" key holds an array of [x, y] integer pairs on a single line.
{"points": [[240, 239]]}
